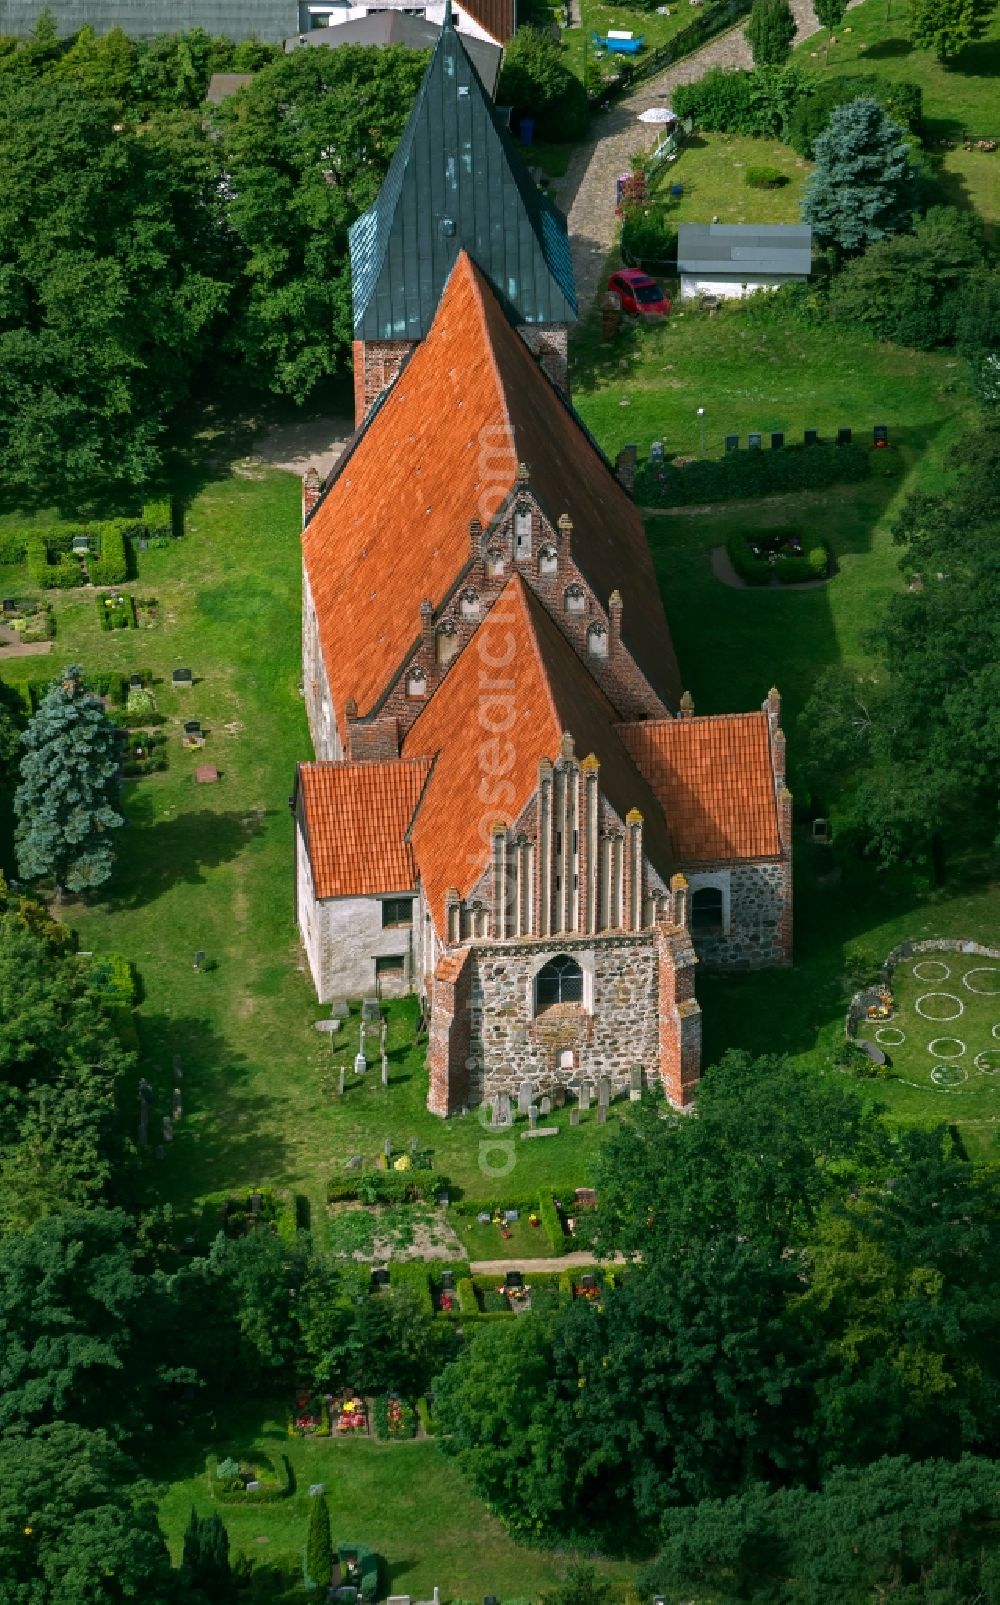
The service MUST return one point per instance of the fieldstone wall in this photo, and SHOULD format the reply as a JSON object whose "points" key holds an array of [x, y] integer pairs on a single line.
{"points": [[510, 1044], [759, 923], [858, 1008]]}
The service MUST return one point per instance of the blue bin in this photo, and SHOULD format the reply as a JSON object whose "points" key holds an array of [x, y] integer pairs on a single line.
{"points": [[677, 189], [526, 132]]}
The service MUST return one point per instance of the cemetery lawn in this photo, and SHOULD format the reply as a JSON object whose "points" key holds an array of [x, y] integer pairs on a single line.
{"points": [[711, 170], [958, 98], [210, 868], [405, 1500]]}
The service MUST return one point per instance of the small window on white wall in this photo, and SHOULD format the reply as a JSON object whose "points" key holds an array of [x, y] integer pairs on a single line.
{"points": [[495, 564], [469, 605], [416, 683]]}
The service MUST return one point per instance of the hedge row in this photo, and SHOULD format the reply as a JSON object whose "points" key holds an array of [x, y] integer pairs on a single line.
{"points": [[786, 103], [48, 548], [750, 473], [105, 682], [113, 977], [386, 1187]]}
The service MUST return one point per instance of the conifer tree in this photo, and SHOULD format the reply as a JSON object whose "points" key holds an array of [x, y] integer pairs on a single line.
{"points": [[319, 1546], [66, 802], [863, 188], [206, 1556], [770, 32]]}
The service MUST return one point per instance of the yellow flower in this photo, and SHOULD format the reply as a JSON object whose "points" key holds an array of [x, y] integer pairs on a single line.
{"points": [[28, 1531]]}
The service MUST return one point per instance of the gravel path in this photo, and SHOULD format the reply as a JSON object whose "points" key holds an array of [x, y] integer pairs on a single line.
{"points": [[587, 193], [565, 1262]]}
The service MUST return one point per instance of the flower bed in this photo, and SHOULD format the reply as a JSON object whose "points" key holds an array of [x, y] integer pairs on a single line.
{"points": [[116, 610], [309, 1416], [392, 1417], [349, 1415]]}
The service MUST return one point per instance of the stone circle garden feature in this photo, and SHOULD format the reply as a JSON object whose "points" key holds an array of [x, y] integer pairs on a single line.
{"points": [[935, 1015]]}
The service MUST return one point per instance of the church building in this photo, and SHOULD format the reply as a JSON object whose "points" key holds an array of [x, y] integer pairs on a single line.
{"points": [[513, 809]]}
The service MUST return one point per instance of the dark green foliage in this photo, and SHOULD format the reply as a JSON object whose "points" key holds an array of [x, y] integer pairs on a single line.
{"points": [[12, 722], [755, 103], [76, 1525], [305, 149], [115, 612], [895, 1529], [947, 26], [820, 97], [205, 1562], [750, 473], [52, 571], [319, 1546], [580, 1586], [814, 563], [830, 14], [912, 288], [902, 750], [765, 178], [110, 258], [863, 188], [386, 1344], [770, 32], [648, 239], [387, 1187], [111, 567], [536, 82], [66, 801]]}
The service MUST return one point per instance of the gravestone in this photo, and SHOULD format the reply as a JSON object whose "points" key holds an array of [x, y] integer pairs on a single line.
{"points": [[168, 1129], [341, 1081], [777, 439], [192, 728], [511, 1216], [545, 1105], [256, 1203], [880, 435], [385, 1071], [872, 1051], [146, 1091], [732, 442], [525, 1097], [533, 1117], [447, 1281], [354, 1161], [603, 1092], [656, 451], [360, 1064], [602, 1113], [635, 1083], [810, 436], [843, 437], [494, 1113], [586, 1093], [588, 1279], [514, 1279], [135, 682], [143, 544], [176, 1108], [206, 774], [380, 1279], [559, 1098], [442, 1199], [753, 442], [9, 605], [574, 1117], [387, 1148], [181, 677], [821, 831], [414, 1147], [325, 1025], [370, 1011], [81, 545]]}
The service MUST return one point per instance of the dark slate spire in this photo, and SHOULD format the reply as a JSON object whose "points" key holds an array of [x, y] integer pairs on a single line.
{"points": [[457, 181]]}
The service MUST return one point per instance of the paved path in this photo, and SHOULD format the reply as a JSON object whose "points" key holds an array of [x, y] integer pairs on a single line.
{"points": [[26, 649], [564, 1262], [587, 193]]}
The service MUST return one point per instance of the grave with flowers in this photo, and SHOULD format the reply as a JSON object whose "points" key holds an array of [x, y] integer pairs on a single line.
{"points": [[349, 1415]]}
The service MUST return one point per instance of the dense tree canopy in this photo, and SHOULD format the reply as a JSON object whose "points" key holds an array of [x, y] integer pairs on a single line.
{"points": [[947, 26], [770, 32]]}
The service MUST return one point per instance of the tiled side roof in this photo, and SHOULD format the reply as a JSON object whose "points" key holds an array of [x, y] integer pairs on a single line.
{"points": [[357, 816], [715, 783], [393, 527], [480, 777], [498, 17]]}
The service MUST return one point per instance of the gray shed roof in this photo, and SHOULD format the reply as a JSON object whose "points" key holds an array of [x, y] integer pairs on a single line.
{"points": [[397, 28], [744, 247], [457, 182]]}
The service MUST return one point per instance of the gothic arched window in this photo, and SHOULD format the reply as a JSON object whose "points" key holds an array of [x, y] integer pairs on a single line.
{"points": [[548, 560], [597, 641], [469, 604], [558, 981], [575, 599]]}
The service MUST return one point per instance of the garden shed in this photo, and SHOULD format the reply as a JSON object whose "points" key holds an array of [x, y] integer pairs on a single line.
{"points": [[734, 259]]}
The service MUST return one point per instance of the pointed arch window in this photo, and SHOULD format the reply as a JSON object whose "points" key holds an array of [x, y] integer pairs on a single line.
{"points": [[558, 981]]}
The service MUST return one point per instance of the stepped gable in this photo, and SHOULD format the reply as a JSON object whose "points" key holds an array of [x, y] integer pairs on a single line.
{"points": [[456, 182], [394, 526], [480, 777], [356, 817], [714, 779]]}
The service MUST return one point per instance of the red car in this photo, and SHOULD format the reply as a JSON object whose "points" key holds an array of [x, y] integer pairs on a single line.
{"points": [[639, 293]]}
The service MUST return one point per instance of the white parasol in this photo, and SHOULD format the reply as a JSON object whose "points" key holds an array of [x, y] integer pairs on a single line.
{"points": [[657, 114]]}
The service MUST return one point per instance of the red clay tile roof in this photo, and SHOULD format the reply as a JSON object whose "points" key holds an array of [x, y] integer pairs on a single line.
{"points": [[481, 776], [498, 17], [356, 819], [393, 527], [715, 783]]}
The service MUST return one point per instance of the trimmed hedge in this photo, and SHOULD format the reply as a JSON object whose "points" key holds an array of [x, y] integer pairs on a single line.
{"points": [[426, 1418], [386, 1187], [119, 616], [369, 1565], [814, 564], [111, 567], [61, 575], [552, 1225], [269, 1494], [112, 976], [751, 473], [158, 517], [786, 103], [765, 178]]}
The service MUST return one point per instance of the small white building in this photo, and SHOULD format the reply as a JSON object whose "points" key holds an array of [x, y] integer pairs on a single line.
{"points": [[735, 259], [495, 20]]}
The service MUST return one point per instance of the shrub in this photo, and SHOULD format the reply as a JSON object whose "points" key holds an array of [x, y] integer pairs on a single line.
{"points": [[115, 612], [13, 546], [62, 575], [552, 1225], [758, 103], [273, 1486], [820, 97], [111, 567], [467, 1300], [765, 178], [426, 1418], [158, 517], [770, 32], [387, 1187], [647, 239], [751, 473], [112, 976]]}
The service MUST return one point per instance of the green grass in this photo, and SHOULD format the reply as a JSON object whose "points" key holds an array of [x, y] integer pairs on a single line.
{"points": [[485, 1241], [405, 1500], [958, 97], [711, 169], [955, 1054], [598, 18]]}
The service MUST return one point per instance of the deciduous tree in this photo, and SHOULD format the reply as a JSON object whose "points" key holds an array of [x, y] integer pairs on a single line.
{"points": [[829, 14], [66, 803], [947, 26]]}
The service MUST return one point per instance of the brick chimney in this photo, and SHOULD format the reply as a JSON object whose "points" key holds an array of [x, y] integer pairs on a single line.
{"points": [[615, 620], [312, 490]]}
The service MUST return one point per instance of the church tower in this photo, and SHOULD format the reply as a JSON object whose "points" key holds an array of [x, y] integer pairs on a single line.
{"points": [[456, 182]]}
